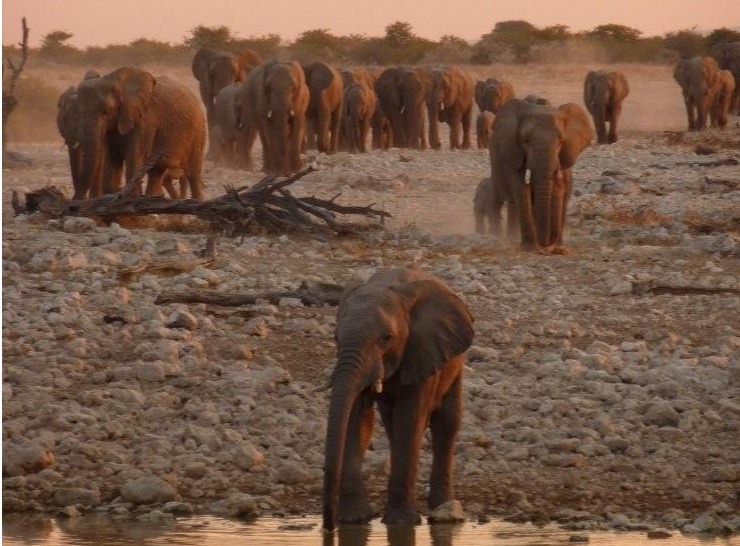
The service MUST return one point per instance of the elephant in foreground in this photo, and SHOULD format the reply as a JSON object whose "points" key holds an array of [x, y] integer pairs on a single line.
{"points": [[492, 94], [324, 114], [727, 55], [532, 150], [699, 78], [273, 101], [450, 100], [603, 94], [725, 96], [401, 93], [215, 70], [401, 338], [483, 126], [131, 119], [358, 109]]}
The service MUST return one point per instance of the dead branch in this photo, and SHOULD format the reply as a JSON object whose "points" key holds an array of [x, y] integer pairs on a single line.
{"points": [[268, 206], [659, 288], [9, 100], [168, 268], [309, 294]]}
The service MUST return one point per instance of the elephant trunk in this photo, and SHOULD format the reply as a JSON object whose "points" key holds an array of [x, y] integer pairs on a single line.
{"points": [[346, 387], [91, 171], [543, 172], [434, 109]]}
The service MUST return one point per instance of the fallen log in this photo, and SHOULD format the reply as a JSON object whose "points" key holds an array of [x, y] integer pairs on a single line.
{"points": [[310, 294]]}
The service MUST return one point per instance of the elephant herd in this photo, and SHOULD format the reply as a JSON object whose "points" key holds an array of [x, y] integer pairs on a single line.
{"points": [[127, 125]]}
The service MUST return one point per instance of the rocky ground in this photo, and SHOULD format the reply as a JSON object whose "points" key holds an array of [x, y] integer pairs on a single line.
{"points": [[602, 388]]}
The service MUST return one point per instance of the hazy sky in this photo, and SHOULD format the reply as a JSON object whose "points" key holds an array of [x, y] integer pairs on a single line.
{"points": [[101, 22]]}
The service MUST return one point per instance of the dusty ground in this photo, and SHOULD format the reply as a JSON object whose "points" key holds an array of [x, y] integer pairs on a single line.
{"points": [[603, 387]]}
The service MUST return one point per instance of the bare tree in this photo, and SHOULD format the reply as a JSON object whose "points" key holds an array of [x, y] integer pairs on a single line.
{"points": [[9, 100]]}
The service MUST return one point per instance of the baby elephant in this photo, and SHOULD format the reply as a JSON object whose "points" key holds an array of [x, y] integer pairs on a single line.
{"points": [[401, 339], [483, 126], [483, 206], [603, 93]]}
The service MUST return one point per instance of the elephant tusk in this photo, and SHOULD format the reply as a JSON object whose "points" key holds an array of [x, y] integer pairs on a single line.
{"points": [[292, 114], [527, 176], [75, 145], [441, 107], [379, 386], [403, 109], [269, 114]]}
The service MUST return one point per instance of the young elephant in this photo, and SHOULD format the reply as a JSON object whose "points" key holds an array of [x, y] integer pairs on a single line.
{"points": [[603, 94], [483, 127], [483, 206], [357, 113], [699, 78], [401, 338]]}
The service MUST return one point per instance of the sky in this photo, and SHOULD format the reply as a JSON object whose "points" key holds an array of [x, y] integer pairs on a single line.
{"points": [[103, 22]]}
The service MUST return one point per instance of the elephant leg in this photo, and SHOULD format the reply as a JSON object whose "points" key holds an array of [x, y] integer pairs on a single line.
{"points": [[293, 162], [353, 504], [557, 212], [169, 185], [156, 182], [613, 129], [467, 125], [75, 165], [410, 415], [336, 122], [365, 129], [445, 424], [244, 144], [455, 143]]}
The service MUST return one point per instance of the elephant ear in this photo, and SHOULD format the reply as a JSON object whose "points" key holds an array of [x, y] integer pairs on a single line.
{"points": [[588, 88], [578, 133], [201, 61], [136, 96], [440, 328]]}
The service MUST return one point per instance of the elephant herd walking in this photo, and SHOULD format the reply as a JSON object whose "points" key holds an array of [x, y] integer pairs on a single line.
{"points": [[127, 125]]}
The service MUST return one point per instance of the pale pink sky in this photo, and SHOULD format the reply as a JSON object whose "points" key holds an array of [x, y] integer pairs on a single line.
{"points": [[100, 22]]}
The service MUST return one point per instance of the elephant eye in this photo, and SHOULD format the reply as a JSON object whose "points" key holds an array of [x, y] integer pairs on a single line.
{"points": [[386, 338]]}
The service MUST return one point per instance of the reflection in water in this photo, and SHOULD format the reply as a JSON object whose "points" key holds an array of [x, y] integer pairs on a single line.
{"points": [[398, 535], [211, 531]]}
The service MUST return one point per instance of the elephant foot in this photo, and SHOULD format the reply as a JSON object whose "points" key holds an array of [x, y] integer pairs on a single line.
{"points": [[401, 514]]}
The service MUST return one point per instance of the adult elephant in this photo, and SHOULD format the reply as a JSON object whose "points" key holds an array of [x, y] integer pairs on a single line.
{"points": [[725, 96], [401, 338], [699, 79], [727, 55], [492, 94], [130, 118], [603, 94], [215, 70], [273, 101], [450, 100], [401, 93], [358, 108], [324, 114], [532, 150]]}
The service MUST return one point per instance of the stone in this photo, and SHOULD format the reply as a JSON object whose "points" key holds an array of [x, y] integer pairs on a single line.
{"points": [[26, 457], [182, 319], [72, 496], [662, 414], [448, 512], [148, 490]]}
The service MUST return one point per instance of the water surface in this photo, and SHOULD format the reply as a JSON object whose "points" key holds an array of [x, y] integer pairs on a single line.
{"points": [[211, 531]]}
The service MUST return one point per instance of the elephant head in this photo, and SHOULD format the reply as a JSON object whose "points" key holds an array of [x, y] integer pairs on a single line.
{"points": [[215, 70], [110, 107], [492, 94], [533, 148], [393, 332]]}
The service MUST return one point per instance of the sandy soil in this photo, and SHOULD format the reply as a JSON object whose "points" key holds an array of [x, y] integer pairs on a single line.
{"points": [[601, 391]]}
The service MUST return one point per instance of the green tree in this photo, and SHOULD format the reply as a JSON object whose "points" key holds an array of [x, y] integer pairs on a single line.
{"points": [[54, 45], [719, 36], [209, 37], [554, 33], [317, 44], [617, 33], [266, 46], [687, 42]]}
